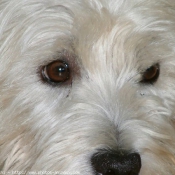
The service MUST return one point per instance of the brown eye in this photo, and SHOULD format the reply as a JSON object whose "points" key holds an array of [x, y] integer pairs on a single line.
{"points": [[56, 72], [151, 74]]}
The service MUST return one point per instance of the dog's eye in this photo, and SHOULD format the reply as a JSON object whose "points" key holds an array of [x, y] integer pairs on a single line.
{"points": [[151, 74], [56, 72]]}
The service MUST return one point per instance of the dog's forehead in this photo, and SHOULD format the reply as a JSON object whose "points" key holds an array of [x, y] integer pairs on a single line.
{"points": [[98, 36], [104, 39]]}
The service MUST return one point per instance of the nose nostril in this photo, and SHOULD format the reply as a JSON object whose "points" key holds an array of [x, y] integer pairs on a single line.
{"points": [[110, 172]]}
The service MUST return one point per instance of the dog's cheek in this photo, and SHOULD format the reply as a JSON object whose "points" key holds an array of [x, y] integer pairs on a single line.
{"points": [[26, 105]]}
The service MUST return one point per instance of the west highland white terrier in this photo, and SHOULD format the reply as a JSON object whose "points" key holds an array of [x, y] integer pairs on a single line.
{"points": [[87, 87]]}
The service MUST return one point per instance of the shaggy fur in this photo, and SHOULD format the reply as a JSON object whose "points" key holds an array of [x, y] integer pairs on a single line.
{"points": [[108, 45]]}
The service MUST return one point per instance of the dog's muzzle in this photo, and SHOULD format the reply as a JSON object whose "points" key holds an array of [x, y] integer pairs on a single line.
{"points": [[116, 163]]}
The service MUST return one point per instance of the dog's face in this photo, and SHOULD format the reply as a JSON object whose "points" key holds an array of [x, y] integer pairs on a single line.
{"points": [[87, 87]]}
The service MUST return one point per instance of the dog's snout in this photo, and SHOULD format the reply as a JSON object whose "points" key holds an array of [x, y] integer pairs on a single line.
{"points": [[116, 163]]}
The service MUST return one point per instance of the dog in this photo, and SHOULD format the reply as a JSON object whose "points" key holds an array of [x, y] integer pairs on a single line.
{"points": [[87, 87]]}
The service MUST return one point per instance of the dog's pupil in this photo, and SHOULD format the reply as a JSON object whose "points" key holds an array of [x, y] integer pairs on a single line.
{"points": [[61, 69], [151, 74], [57, 72]]}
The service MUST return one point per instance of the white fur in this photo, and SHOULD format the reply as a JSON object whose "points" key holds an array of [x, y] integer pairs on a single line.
{"points": [[111, 42]]}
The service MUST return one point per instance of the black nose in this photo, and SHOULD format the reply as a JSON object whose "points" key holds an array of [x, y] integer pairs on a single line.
{"points": [[116, 163]]}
